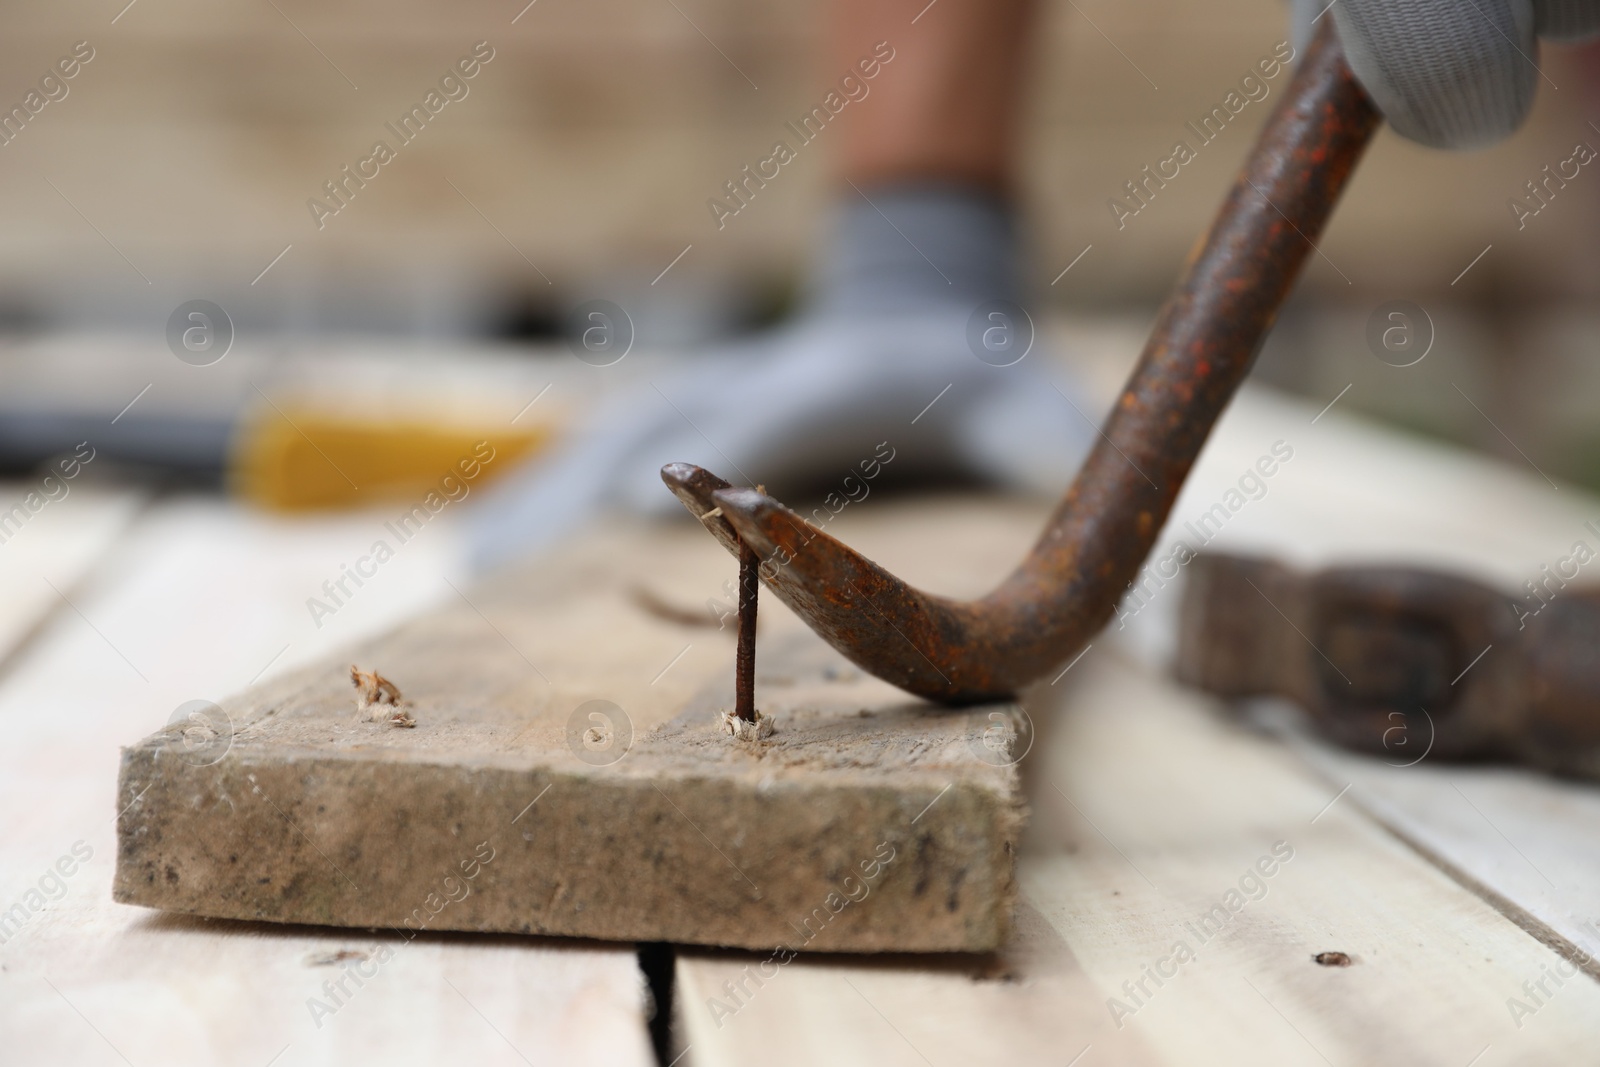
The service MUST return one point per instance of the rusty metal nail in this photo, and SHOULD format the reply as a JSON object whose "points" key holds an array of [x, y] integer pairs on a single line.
{"points": [[744, 671]]}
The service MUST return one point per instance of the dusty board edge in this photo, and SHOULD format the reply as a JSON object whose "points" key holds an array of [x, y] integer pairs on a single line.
{"points": [[984, 840], [976, 925]]}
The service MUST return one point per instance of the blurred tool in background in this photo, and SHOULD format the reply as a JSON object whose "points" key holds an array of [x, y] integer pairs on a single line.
{"points": [[330, 431], [1404, 662]]}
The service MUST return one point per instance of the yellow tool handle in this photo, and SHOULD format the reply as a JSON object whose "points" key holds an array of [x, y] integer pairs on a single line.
{"points": [[302, 459]]}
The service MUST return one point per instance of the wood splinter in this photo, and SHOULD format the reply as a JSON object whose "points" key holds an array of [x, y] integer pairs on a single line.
{"points": [[745, 722], [378, 699]]}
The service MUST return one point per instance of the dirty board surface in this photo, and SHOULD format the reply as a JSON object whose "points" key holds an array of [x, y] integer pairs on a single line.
{"points": [[612, 806], [84, 980]]}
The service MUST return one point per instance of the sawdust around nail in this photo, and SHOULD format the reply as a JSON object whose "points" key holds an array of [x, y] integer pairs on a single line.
{"points": [[745, 730]]}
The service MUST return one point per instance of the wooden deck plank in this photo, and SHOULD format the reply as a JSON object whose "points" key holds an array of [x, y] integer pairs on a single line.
{"points": [[1522, 840], [1194, 802], [1031, 1003], [84, 980], [44, 554]]}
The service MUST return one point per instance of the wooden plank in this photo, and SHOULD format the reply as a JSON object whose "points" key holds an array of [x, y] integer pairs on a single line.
{"points": [[47, 553], [86, 980], [1149, 813], [1197, 808], [1031, 1003], [1519, 839], [101, 985], [659, 828]]}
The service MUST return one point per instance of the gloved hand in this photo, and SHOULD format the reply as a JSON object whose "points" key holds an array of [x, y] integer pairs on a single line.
{"points": [[1450, 73], [888, 333]]}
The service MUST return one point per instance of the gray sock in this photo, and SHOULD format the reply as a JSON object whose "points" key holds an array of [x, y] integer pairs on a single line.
{"points": [[901, 247]]}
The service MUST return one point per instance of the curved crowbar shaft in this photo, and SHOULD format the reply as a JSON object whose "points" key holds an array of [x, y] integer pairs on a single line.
{"points": [[1203, 344]]}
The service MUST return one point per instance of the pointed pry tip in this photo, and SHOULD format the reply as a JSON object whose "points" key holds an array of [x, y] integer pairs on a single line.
{"points": [[692, 485]]}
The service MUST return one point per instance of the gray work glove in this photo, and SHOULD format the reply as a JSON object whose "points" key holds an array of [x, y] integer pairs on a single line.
{"points": [[1450, 73], [884, 369]]}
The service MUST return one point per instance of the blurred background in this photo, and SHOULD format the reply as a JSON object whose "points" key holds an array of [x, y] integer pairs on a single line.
{"points": [[180, 162]]}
